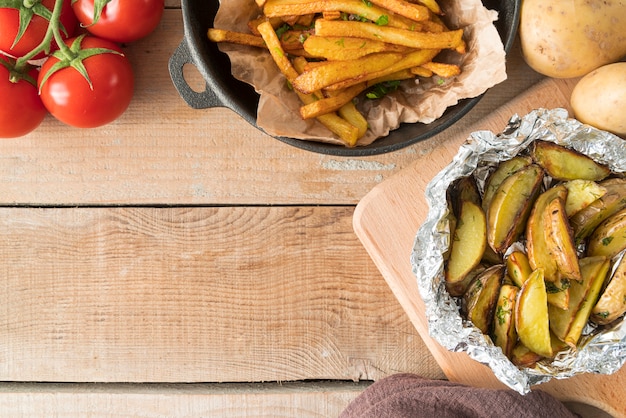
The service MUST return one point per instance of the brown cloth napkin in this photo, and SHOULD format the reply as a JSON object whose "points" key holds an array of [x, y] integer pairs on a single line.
{"points": [[409, 395]]}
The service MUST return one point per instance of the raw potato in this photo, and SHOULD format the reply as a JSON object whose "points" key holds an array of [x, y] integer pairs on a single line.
{"points": [[564, 39], [599, 98]]}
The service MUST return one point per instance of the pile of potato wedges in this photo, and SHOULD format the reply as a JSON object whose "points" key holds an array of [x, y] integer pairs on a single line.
{"points": [[537, 251]]}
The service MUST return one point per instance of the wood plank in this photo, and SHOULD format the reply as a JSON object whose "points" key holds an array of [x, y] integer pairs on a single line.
{"points": [[163, 152], [401, 198], [297, 399], [196, 295]]}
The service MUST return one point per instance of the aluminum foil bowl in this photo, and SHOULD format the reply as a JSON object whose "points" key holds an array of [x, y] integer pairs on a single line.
{"points": [[223, 90], [600, 350]]}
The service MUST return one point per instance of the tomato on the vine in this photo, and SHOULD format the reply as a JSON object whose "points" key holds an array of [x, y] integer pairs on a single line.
{"points": [[21, 111], [120, 21], [37, 25], [68, 95]]}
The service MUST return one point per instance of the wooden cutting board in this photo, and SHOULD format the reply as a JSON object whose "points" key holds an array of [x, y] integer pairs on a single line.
{"points": [[387, 219]]}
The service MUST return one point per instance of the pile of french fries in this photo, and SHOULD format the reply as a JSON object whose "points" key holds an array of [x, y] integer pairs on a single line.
{"points": [[331, 51]]}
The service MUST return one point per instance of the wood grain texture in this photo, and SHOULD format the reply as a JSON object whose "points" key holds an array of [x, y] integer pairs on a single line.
{"points": [[390, 246], [196, 295], [295, 399]]}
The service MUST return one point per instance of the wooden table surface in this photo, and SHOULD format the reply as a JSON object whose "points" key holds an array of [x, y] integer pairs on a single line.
{"points": [[179, 262]]}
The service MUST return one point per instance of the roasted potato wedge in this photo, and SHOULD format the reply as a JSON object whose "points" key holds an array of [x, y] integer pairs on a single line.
{"points": [[518, 268], [580, 194], [461, 190], [609, 238], [502, 171], [531, 315], [536, 247], [566, 164], [522, 356], [504, 332], [479, 301], [584, 312], [457, 289], [468, 243], [612, 302], [561, 320], [511, 205], [585, 221], [559, 240]]}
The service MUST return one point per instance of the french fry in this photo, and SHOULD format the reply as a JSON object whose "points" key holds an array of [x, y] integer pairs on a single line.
{"points": [[275, 8], [337, 99], [340, 48], [442, 69], [221, 35], [432, 5], [418, 40], [403, 8], [332, 72], [410, 60]]}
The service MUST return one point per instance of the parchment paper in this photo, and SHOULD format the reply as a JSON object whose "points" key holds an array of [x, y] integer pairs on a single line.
{"points": [[483, 66]]}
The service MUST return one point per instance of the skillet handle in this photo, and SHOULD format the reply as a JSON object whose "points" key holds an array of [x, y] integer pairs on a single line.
{"points": [[196, 100]]}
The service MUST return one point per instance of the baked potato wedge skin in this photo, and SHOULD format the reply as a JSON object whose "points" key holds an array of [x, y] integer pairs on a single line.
{"points": [[468, 243], [609, 238], [566, 164], [536, 246], [531, 315], [504, 332], [560, 241], [561, 320], [612, 301], [502, 171], [511, 205], [585, 221], [479, 301]]}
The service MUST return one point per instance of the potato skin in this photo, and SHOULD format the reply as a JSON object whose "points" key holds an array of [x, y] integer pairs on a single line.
{"points": [[570, 38], [599, 98]]}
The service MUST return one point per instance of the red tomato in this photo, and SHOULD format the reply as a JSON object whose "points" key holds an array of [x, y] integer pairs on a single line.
{"points": [[68, 96], [36, 30], [121, 20], [21, 110]]}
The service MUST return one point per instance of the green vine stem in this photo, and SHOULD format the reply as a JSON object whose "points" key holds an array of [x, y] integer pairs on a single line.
{"points": [[53, 32]]}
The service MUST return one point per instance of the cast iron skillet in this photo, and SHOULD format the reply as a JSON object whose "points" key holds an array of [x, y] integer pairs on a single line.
{"points": [[223, 90]]}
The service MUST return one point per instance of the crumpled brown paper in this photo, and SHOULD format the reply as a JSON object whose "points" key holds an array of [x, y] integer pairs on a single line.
{"points": [[483, 66]]}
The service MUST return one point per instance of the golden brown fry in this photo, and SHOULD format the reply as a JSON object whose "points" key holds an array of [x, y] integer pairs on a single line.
{"points": [[410, 60], [332, 15], [260, 3], [252, 25], [350, 113], [403, 8], [336, 48], [332, 72], [421, 72], [276, 50], [221, 35], [337, 99], [274, 8], [417, 40], [432, 5], [442, 69]]}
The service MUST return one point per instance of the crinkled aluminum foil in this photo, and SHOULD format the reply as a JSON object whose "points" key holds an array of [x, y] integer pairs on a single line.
{"points": [[600, 351]]}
